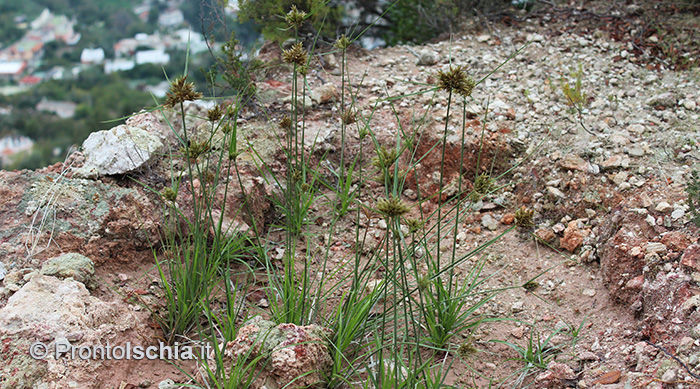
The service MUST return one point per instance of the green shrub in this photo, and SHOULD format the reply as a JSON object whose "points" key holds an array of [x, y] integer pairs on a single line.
{"points": [[418, 21], [268, 15]]}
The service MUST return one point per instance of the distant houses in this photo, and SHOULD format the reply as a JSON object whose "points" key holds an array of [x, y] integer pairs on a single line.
{"points": [[19, 60], [29, 81], [49, 27], [27, 49], [24, 55], [11, 145], [62, 109], [171, 17]]}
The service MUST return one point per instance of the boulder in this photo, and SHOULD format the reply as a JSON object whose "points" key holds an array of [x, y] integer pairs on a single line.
{"points": [[122, 149]]}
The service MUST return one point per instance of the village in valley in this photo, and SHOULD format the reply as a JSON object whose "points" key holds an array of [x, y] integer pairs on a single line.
{"points": [[23, 63]]}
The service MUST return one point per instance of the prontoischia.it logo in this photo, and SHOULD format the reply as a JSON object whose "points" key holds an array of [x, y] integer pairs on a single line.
{"points": [[62, 348]]}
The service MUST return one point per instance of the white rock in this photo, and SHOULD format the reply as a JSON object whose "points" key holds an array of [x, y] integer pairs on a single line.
{"points": [[56, 306], [556, 192], [73, 265], [489, 222], [669, 376], [620, 177], [517, 306], [677, 214], [325, 93], [120, 150], [427, 58], [650, 220], [167, 384], [663, 207]]}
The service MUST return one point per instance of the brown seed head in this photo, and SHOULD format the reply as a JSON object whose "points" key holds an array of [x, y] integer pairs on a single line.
{"points": [[296, 55], [286, 123], [456, 80], [215, 113], [195, 149], [482, 186], [523, 217], [295, 18], [392, 207], [466, 349], [414, 225], [169, 194], [181, 91], [342, 43]]}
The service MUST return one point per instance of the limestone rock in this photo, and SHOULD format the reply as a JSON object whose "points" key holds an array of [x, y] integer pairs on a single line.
{"points": [[94, 218], [667, 99], [574, 162], [122, 149], [489, 222]]}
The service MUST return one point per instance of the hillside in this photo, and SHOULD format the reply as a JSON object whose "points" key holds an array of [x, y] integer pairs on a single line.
{"points": [[558, 190]]}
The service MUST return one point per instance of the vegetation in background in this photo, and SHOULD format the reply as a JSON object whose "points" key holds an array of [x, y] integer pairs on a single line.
{"points": [[401, 21], [8, 30], [100, 98], [417, 21], [321, 17], [207, 17]]}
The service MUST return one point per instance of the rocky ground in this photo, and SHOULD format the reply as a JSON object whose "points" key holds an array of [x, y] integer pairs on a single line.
{"points": [[617, 255]]}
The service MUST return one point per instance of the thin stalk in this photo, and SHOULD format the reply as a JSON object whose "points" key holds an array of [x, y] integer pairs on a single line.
{"points": [[342, 118], [442, 173], [459, 191]]}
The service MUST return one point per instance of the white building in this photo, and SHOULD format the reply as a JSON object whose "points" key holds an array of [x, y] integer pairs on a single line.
{"points": [[11, 70], [41, 20], [119, 65], [159, 57], [92, 56], [62, 109]]}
